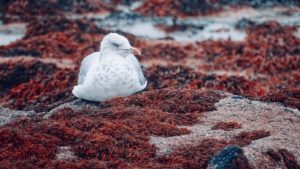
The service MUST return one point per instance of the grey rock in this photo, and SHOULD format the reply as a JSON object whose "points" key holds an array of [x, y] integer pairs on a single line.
{"points": [[8, 115]]}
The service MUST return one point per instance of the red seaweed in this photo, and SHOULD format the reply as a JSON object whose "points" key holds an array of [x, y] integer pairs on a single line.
{"points": [[245, 138], [118, 135], [227, 126]]}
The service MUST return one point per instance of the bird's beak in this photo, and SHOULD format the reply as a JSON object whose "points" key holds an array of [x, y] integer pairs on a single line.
{"points": [[136, 51]]}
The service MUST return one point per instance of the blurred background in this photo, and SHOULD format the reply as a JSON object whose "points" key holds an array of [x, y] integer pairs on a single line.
{"points": [[250, 48]]}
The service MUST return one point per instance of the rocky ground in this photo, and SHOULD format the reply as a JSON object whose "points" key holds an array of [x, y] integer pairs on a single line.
{"points": [[214, 103]]}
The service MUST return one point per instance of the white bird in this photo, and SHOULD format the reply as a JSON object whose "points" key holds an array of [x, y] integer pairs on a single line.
{"points": [[112, 72]]}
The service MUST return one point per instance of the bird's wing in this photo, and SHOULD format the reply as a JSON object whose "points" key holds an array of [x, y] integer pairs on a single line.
{"points": [[86, 65], [133, 60]]}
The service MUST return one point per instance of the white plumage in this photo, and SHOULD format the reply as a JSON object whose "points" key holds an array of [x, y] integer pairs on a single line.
{"points": [[112, 72]]}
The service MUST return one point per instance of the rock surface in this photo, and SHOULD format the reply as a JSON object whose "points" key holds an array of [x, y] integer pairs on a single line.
{"points": [[8, 115]]}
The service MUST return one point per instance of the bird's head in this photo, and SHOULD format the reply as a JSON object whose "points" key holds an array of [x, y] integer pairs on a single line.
{"points": [[118, 43]]}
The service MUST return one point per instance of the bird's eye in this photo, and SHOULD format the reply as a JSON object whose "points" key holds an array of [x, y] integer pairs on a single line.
{"points": [[115, 44]]}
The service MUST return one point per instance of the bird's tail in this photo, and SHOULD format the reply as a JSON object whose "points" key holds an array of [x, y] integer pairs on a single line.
{"points": [[76, 91], [144, 86]]}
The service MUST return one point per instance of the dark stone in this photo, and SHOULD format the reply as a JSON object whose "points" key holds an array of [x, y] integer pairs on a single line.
{"points": [[81, 102], [236, 97], [225, 158], [244, 24]]}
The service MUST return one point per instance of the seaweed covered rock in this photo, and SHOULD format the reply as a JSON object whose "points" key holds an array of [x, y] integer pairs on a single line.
{"points": [[26, 10], [115, 132], [54, 45], [176, 8], [184, 8], [34, 85]]}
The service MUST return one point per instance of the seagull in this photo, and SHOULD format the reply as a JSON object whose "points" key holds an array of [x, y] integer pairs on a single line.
{"points": [[112, 72]]}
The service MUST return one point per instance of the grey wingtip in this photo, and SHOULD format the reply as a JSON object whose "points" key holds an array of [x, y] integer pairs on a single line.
{"points": [[144, 85]]}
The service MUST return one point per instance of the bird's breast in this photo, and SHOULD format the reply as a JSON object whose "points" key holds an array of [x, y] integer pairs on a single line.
{"points": [[114, 75]]}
